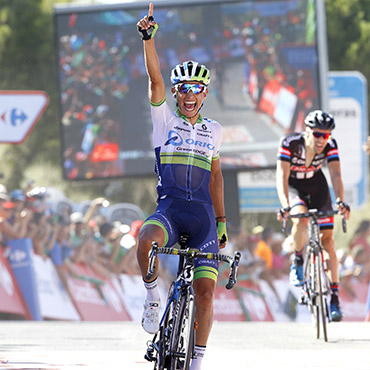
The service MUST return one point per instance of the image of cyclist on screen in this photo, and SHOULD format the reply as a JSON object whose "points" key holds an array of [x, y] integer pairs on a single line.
{"points": [[190, 182], [301, 185]]}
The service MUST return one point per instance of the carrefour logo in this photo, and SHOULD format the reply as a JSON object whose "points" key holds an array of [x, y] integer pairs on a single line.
{"points": [[174, 138], [15, 116], [18, 256]]}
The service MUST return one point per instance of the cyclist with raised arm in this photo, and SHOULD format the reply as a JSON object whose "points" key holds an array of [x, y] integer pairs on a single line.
{"points": [[190, 182], [301, 185]]}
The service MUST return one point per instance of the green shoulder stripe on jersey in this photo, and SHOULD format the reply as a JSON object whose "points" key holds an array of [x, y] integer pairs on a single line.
{"points": [[186, 159], [158, 104], [205, 272], [155, 222]]}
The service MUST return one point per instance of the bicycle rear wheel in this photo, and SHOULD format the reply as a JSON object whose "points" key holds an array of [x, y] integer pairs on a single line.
{"points": [[182, 339]]}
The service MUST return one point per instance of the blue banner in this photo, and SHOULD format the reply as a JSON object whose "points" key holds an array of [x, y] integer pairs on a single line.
{"points": [[20, 260]]}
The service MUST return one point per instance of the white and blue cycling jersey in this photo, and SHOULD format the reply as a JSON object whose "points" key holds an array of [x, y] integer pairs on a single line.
{"points": [[184, 153]]}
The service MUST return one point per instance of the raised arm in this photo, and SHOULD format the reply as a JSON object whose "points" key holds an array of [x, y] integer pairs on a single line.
{"points": [[147, 27]]}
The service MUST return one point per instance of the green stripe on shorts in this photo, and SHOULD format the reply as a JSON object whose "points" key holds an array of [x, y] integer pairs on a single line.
{"points": [[157, 223], [205, 272]]}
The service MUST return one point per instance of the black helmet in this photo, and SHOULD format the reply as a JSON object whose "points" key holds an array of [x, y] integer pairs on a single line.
{"points": [[319, 119]]}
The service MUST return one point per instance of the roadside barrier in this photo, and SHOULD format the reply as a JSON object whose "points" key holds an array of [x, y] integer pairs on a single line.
{"points": [[31, 289]]}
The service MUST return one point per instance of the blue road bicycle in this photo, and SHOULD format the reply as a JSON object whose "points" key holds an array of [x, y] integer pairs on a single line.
{"points": [[173, 346]]}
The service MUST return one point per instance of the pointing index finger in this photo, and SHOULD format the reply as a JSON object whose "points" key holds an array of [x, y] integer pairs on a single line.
{"points": [[150, 14]]}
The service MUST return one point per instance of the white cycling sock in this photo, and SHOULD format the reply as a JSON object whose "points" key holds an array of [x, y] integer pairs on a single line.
{"points": [[196, 363], [152, 292]]}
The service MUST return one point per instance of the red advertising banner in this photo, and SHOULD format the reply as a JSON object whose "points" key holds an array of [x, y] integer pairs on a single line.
{"points": [[107, 152], [253, 302], [227, 306], [11, 300], [354, 307], [95, 298], [269, 98]]}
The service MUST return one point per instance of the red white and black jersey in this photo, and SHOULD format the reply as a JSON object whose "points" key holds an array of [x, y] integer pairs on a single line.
{"points": [[292, 150]]}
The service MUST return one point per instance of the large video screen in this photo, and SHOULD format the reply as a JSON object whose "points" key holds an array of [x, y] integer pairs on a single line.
{"points": [[265, 77]]}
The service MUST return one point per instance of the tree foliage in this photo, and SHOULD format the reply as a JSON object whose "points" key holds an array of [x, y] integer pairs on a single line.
{"points": [[348, 32], [27, 62]]}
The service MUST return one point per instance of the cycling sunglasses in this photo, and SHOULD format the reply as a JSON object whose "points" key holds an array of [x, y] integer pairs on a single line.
{"points": [[185, 88], [317, 135]]}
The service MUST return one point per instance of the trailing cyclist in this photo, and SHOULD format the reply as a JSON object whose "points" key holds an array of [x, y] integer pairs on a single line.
{"points": [[301, 185], [190, 182]]}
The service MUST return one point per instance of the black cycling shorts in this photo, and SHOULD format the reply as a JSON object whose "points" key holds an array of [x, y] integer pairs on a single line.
{"points": [[312, 193]]}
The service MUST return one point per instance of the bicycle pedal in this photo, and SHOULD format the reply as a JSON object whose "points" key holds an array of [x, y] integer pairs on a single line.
{"points": [[149, 355]]}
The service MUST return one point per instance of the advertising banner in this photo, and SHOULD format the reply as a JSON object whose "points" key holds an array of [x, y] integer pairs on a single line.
{"points": [[95, 298], [354, 307], [54, 300], [133, 294], [11, 300], [227, 306], [253, 301], [21, 262], [348, 104]]}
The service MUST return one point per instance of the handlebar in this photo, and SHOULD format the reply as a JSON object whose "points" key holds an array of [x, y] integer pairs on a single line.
{"points": [[233, 271], [314, 213], [195, 253]]}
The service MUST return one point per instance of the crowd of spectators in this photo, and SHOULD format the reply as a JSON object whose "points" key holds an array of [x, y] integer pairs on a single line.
{"points": [[90, 238], [266, 255], [355, 262], [263, 255], [68, 237]]}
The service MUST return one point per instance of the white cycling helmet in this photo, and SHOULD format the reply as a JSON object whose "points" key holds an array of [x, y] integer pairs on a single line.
{"points": [[190, 71]]}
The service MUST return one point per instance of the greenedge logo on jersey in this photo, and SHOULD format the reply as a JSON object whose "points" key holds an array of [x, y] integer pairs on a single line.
{"points": [[174, 138]]}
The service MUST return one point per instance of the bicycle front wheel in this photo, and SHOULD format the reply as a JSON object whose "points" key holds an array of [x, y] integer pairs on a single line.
{"points": [[322, 298], [164, 343], [310, 289], [182, 339]]}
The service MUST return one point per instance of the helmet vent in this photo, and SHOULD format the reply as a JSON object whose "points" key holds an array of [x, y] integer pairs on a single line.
{"points": [[190, 67], [197, 71]]}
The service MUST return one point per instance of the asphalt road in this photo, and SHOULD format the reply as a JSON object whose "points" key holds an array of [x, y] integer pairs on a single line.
{"points": [[121, 345]]}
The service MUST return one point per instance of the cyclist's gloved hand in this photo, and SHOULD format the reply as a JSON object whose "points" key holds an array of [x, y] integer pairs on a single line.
{"points": [[344, 208], [222, 233], [147, 33], [283, 213]]}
